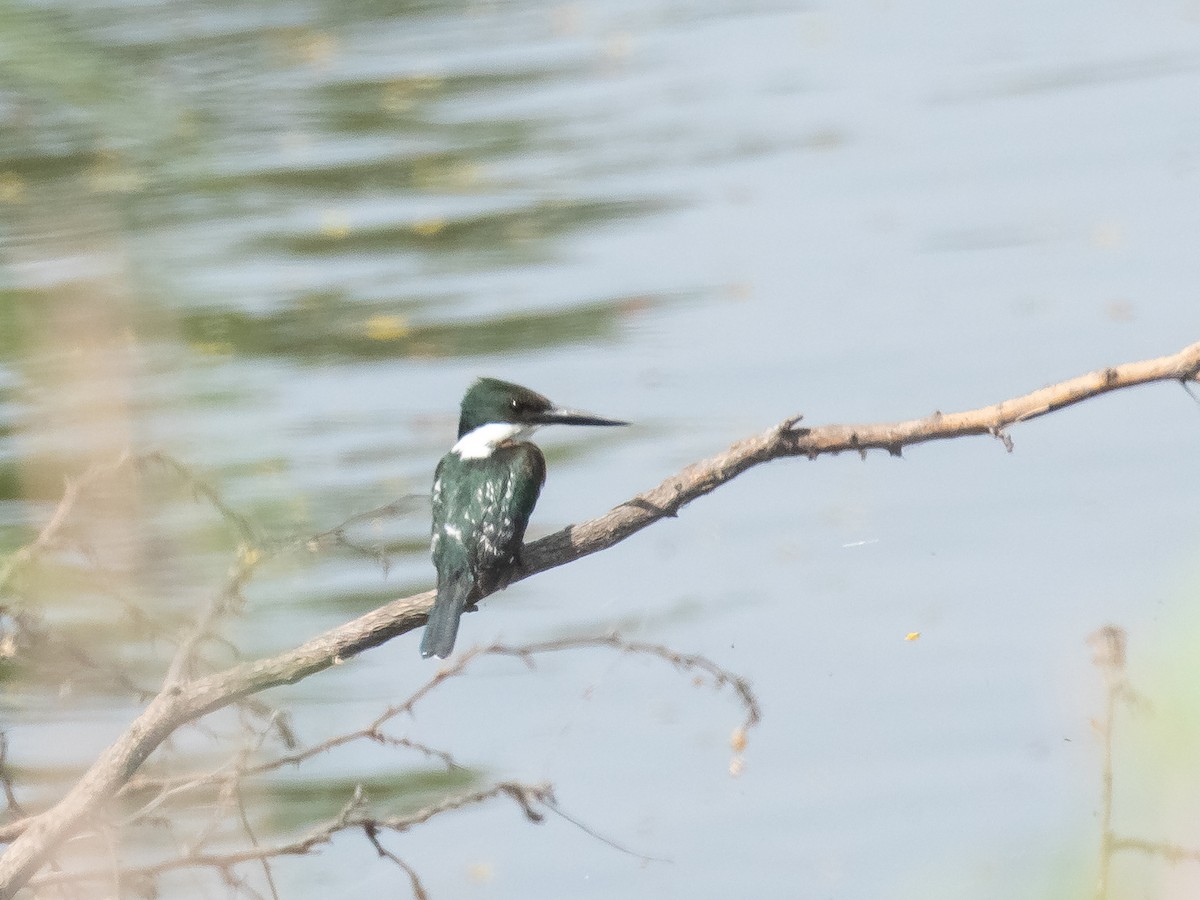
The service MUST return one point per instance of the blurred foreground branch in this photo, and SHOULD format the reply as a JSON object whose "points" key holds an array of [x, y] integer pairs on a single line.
{"points": [[352, 817], [221, 789], [184, 700], [1109, 655]]}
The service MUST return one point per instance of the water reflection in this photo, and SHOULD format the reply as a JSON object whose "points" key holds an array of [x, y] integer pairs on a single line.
{"points": [[278, 240], [196, 194], [332, 329]]}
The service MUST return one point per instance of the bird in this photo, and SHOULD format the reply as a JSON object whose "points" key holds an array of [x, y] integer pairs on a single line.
{"points": [[484, 491]]}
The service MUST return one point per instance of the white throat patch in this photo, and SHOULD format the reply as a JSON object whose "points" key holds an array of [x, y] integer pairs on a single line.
{"points": [[479, 443]]}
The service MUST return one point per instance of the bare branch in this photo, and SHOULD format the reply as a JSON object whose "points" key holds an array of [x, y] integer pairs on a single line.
{"points": [[202, 489], [528, 797], [1109, 655], [238, 769], [50, 532], [372, 832], [244, 818], [179, 703], [1172, 853], [6, 782], [687, 662], [167, 788], [202, 629]]}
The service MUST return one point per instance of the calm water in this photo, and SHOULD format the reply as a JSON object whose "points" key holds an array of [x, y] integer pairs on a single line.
{"points": [[277, 241]]}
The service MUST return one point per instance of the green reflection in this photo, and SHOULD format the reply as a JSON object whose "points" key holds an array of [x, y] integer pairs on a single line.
{"points": [[297, 803], [143, 148], [347, 603], [404, 101], [16, 311], [323, 332], [10, 489], [518, 231]]}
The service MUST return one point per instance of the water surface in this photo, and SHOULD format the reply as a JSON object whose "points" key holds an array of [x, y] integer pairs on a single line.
{"points": [[276, 241]]}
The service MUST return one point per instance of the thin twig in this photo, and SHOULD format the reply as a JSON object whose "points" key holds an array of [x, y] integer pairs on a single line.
{"points": [[50, 531], [1108, 649], [372, 832], [245, 820], [202, 488], [238, 769], [592, 833], [526, 796]]}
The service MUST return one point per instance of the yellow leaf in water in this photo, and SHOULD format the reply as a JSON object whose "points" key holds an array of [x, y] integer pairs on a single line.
{"points": [[481, 872], [913, 636], [12, 188], [213, 348], [429, 227], [387, 328], [335, 224]]}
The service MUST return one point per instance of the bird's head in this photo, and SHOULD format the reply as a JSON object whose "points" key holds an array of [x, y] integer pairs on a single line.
{"points": [[492, 401]]}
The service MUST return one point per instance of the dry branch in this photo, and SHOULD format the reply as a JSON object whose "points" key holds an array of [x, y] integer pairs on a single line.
{"points": [[182, 702], [528, 797], [1110, 657]]}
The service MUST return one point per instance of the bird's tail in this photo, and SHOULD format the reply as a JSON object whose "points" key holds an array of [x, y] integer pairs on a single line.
{"points": [[442, 627]]}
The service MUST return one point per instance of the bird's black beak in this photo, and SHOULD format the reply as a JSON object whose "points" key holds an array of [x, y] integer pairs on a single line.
{"points": [[558, 415]]}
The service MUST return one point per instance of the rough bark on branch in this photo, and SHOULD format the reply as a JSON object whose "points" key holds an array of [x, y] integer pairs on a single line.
{"points": [[184, 701]]}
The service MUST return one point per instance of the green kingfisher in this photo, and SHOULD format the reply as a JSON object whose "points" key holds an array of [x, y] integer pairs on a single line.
{"points": [[484, 491]]}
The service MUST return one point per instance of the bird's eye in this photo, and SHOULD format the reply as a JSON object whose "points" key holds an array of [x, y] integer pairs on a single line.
{"points": [[514, 403]]}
